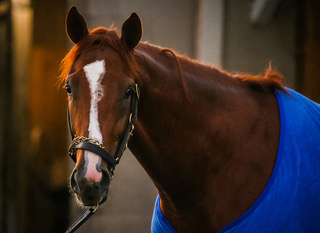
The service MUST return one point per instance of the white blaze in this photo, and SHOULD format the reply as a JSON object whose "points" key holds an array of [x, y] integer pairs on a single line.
{"points": [[94, 73]]}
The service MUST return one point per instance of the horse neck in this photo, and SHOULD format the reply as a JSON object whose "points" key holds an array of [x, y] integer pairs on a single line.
{"points": [[186, 141]]}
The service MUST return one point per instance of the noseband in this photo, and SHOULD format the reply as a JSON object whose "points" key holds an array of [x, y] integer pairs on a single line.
{"points": [[94, 146]]}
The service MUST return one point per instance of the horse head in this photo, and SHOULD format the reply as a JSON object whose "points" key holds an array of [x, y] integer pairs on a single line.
{"points": [[101, 86]]}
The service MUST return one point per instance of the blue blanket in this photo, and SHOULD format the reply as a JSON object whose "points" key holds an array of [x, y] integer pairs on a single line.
{"points": [[291, 200]]}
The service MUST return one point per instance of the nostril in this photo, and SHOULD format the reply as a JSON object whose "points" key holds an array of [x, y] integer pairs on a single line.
{"points": [[106, 179], [73, 182]]}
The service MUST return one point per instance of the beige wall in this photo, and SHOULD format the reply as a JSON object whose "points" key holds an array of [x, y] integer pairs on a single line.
{"points": [[250, 49], [210, 26], [167, 23]]}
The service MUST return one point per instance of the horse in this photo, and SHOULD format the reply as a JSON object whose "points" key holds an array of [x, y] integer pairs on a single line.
{"points": [[221, 148]]}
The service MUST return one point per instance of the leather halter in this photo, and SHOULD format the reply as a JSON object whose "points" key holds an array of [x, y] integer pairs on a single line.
{"points": [[97, 148], [94, 146]]}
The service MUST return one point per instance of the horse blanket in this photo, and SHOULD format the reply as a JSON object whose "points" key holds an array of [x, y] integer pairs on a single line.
{"points": [[291, 200]]}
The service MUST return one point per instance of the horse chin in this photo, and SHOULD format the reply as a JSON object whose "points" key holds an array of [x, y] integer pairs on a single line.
{"points": [[91, 199]]}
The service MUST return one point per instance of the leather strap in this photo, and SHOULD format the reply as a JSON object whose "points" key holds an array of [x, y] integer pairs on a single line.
{"points": [[81, 220], [69, 124], [85, 145]]}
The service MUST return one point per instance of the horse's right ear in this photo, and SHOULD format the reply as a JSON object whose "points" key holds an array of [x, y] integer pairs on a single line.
{"points": [[76, 26]]}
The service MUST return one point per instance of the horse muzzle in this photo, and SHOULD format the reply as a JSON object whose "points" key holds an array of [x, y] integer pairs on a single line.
{"points": [[90, 192]]}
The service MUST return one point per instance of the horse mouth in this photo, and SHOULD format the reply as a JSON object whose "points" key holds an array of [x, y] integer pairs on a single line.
{"points": [[90, 198], [88, 193]]}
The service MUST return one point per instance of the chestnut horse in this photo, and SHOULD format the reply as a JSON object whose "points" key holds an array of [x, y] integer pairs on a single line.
{"points": [[208, 139]]}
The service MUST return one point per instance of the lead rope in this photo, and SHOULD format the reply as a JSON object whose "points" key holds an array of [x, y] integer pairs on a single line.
{"points": [[82, 219]]}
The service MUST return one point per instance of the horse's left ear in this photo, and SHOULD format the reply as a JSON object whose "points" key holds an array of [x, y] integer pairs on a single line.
{"points": [[76, 26], [131, 31]]}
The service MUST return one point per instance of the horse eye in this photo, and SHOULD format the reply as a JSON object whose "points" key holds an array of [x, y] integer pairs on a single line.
{"points": [[68, 89], [129, 92]]}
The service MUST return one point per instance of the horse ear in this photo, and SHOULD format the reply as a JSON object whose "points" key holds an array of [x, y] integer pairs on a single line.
{"points": [[76, 26], [131, 31]]}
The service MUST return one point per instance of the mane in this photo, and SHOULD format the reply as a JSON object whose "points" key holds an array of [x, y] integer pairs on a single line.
{"points": [[270, 81], [99, 37]]}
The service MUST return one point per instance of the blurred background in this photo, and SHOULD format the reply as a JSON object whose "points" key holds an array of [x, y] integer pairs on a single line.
{"points": [[239, 36]]}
